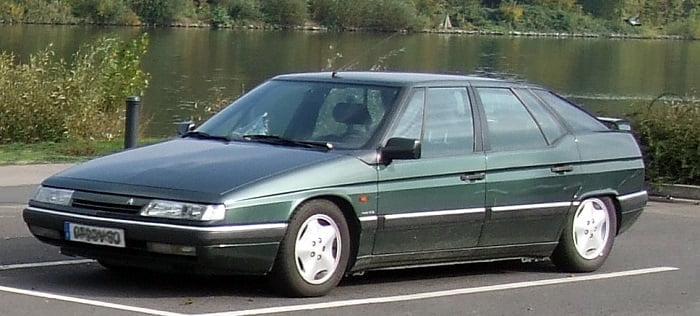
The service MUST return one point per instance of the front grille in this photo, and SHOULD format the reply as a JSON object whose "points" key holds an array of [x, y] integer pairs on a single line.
{"points": [[108, 202], [108, 207]]}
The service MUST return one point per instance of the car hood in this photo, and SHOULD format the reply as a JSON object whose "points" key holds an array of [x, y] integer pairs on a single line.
{"points": [[204, 168]]}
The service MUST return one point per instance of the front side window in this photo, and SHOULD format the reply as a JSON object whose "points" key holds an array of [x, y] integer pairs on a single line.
{"points": [[510, 126], [344, 115], [410, 122], [449, 128], [441, 119]]}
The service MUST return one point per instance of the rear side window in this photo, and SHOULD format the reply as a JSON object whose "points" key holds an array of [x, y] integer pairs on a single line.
{"points": [[551, 128], [578, 119], [510, 125]]}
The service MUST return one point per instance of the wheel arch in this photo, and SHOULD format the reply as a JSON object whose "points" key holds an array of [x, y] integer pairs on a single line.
{"points": [[353, 222], [612, 195]]}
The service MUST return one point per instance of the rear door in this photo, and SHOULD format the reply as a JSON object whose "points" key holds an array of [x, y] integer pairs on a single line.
{"points": [[435, 202], [531, 169]]}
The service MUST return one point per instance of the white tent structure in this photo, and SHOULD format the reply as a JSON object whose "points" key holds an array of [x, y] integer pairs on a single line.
{"points": [[446, 23]]}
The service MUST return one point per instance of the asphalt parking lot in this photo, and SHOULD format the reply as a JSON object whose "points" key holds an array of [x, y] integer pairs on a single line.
{"points": [[653, 270]]}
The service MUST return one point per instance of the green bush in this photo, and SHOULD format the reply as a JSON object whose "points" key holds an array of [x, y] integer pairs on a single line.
{"points": [[284, 12], [160, 11], [11, 12], [468, 13], [104, 11], [244, 10], [553, 19], [49, 99], [689, 27], [340, 14], [670, 138], [42, 11], [375, 14], [218, 15], [393, 15]]}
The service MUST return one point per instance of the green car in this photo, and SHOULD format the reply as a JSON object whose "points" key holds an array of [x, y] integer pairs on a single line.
{"points": [[310, 177]]}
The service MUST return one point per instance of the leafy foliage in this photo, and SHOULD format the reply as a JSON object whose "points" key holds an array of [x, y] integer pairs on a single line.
{"points": [[374, 14], [511, 12], [36, 11], [104, 11], [670, 138], [680, 17], [49, 99], [159, 11], [689, 27], [284, 12]]}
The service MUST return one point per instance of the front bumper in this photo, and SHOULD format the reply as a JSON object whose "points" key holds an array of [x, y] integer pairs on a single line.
{"points": [[233, 249]]}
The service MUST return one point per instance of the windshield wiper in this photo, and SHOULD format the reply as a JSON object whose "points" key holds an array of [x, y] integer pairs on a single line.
{"points": [[278, 140], [203, 135]]}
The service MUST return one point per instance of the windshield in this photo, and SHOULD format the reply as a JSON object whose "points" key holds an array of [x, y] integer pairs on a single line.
{"points": [[343, 115]]}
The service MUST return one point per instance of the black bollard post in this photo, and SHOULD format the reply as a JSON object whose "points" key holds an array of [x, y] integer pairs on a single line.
{"points": [[131, 130]]}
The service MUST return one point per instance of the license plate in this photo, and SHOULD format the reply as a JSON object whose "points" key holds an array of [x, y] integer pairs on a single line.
{"points": [[95, 235]]}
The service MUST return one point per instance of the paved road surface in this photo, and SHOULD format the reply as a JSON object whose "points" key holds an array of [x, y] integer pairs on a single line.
{"points": [[653, 270]]}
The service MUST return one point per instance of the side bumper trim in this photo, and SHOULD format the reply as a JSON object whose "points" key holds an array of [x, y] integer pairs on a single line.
{"points": [[209, 229], [635, 195]]}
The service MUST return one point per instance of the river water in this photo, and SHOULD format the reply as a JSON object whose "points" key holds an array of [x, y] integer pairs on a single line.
{"points": [[189, 66]]}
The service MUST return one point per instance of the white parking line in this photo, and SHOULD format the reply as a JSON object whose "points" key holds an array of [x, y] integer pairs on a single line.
{"points": [[426, 295], [89, 302], [336, 304], [43, 264]]}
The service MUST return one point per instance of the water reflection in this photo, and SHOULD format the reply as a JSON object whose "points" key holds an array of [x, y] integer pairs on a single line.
{"points": [[191, 64]]}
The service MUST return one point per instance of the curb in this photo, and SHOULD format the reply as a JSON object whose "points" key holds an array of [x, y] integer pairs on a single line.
{"points": [[668, 199], [675, 193]]}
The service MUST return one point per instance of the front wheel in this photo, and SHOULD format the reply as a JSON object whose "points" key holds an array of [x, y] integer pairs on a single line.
{"points": [[588, 236], [314, 253]]}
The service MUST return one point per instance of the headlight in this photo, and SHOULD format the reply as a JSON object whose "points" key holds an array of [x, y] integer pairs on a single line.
{"points": [[180, 210], [53, 196]]}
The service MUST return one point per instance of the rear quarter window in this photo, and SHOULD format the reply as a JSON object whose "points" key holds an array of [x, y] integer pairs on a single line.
{"points": [[550, 126], [510, 126], [578, 119]]}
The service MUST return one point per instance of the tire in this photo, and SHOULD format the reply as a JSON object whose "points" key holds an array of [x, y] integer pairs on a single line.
{"points": [[588, 237], [313, 254]]}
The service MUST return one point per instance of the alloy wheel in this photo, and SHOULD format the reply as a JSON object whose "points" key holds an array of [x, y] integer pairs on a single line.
{"points": [[591, 228], [317, 249]]}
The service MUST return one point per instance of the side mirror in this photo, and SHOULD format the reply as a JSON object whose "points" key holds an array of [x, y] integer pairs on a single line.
{"points": [[184, 127], [400, 148]]}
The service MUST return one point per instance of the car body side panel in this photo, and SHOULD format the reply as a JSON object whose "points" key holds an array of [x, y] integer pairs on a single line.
{"points": [[527, 201], [361, 199], [614, 167], [424, 205], [607, 145]]}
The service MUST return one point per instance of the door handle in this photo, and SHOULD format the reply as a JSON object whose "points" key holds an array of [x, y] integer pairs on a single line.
{"points": [[562, 169], [473, 176]]}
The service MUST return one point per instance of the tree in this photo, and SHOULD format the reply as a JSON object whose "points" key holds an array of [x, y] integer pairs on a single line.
{"points": [[555, 4], [158, 11], [285, 12]]}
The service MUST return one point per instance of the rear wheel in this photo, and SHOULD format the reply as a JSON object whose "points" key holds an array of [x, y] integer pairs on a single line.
{"points": [[314, 253], [588, 236]]}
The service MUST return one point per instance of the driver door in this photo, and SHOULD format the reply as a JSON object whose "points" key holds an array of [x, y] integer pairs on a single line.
{"points": [[434, 202]]}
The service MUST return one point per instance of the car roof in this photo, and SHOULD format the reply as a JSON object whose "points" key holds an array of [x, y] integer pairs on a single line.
{"points": [[395, 78]]}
